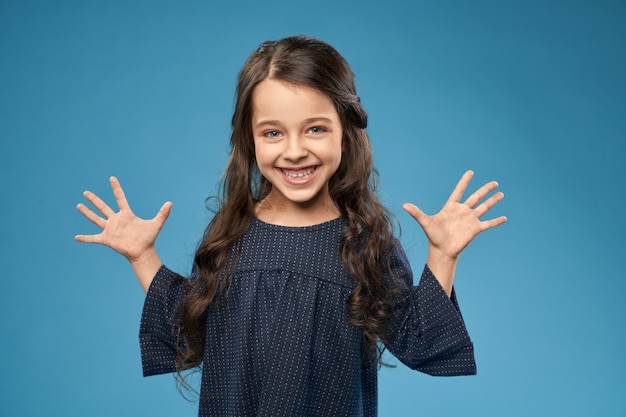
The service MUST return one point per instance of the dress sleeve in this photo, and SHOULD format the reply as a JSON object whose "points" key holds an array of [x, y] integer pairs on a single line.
{"points": [[426, 331], [159, 322]]}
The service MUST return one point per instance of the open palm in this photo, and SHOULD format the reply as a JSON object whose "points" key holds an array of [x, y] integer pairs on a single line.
{"points": [[122, 231], [457, 224]]}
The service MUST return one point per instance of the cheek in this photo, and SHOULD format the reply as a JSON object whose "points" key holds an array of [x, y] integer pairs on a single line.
{"points": [[258, 150], [262, 157], [339, 149]]}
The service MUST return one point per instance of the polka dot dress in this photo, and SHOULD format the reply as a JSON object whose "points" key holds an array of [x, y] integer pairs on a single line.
{"points": [[280, 343]]}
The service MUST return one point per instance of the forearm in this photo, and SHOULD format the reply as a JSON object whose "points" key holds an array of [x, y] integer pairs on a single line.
{"points": [[427, 332], [443, 268], [145, 267]]}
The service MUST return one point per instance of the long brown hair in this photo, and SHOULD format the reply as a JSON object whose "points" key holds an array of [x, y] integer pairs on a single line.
{"points": [[368, 236]]}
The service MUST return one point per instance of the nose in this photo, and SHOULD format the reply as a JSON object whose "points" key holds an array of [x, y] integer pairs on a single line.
{"points": [[295, 148]]}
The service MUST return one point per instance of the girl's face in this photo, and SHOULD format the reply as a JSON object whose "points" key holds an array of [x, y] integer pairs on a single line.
{"points": [[297, 138]]}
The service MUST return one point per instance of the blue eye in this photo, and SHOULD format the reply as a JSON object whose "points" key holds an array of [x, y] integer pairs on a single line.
{"points": [[316, 130], [272, 134]]}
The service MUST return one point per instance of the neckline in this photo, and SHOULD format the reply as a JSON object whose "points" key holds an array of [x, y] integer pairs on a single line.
{"points": [[312, 227]]}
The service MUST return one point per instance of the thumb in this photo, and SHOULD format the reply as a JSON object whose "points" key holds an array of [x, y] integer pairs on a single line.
{"points": [[415, 212], [163, 213]]}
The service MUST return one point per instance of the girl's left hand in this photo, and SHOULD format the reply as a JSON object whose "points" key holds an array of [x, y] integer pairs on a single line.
{"points": [[457, 224]]}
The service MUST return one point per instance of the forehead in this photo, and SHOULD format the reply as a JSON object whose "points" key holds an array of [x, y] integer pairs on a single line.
{"points": [[278, 100]]}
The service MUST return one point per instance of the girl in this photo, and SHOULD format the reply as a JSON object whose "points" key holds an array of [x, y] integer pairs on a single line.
{"points": [[298, 282]]}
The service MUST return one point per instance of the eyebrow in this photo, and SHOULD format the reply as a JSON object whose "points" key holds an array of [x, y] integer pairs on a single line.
{"points": [[306, 121]]}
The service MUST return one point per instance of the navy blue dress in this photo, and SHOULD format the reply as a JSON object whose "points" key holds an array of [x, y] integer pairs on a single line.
{"points": [[280, 344]]}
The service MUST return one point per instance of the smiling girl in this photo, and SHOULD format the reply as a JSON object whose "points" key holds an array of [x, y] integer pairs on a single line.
{"points": [[298, 282]]}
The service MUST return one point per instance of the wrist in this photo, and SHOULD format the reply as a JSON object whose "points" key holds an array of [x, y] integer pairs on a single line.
{"points": [[440, 256], [145, 267], [142, 257], [443, 268]]}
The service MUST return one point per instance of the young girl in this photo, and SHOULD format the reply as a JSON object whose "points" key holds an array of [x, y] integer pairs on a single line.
{"points": [[298, 282]]}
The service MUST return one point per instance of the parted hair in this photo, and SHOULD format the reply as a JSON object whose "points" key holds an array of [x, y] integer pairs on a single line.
{"points": [[369, 234]]}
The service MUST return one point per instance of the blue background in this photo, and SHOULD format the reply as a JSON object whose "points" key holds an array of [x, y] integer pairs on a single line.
{"points": [[531, 93]]}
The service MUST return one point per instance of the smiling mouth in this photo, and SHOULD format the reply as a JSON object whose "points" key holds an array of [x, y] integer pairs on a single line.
{"points": [[298, 174]]}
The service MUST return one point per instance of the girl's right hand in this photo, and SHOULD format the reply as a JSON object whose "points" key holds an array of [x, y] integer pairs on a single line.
{"points": [[122, 231]]}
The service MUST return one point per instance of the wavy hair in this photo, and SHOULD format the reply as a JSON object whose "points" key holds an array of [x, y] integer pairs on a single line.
{"points": [[368, 237]]}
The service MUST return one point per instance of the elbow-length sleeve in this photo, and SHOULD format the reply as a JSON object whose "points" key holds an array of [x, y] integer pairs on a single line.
{"points": [[427, 332], [159, 322]]}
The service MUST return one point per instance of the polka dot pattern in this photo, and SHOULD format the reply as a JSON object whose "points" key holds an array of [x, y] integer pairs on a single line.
{"points": [[280, 343]]}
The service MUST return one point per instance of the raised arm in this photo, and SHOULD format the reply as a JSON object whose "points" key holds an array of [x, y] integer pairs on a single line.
{"points": [[126, 233], [455, 226]]}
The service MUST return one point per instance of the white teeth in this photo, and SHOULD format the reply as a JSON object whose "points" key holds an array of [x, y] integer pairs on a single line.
{"points": [[298, 174]]}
